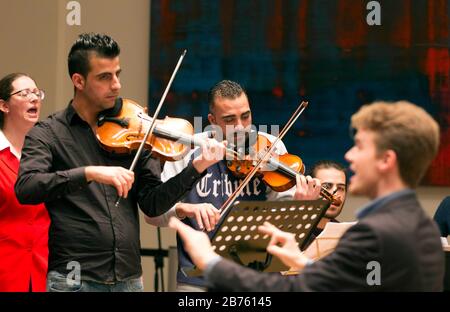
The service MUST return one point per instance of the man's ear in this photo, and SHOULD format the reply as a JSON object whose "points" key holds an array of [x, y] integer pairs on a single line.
{"points": [[78, 81], [388, 160], [212, 119], [4, 107]]}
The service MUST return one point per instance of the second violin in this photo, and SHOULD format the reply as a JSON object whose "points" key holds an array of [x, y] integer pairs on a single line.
{"points": [[280, 170]]}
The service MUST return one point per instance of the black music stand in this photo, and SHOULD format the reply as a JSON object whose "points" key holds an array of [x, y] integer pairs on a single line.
{"points": [[237, 237]]}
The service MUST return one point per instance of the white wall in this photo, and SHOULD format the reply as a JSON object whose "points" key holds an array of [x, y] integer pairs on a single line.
{"points": [[36, 39]]}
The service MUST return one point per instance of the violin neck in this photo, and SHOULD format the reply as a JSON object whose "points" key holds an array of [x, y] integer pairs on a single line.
{"points": [[289, 172], [185, 139], [281, 168], [176, 136]]}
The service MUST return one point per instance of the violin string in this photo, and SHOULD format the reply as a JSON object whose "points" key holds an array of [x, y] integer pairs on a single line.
{"points": [[186, 139]]}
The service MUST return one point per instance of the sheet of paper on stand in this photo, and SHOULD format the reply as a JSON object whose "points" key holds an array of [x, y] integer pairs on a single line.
{"points": [[326, 241]]}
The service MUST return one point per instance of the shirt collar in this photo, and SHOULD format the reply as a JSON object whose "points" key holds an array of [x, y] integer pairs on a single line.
{"points": [[378, 202], [4, 143], [71, 114]]}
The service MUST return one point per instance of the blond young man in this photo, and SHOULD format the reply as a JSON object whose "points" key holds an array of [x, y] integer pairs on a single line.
{"points": [[394, 246]]}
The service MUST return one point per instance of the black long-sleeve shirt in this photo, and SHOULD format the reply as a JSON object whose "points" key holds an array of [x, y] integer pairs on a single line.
{"points": [[85, 224]]}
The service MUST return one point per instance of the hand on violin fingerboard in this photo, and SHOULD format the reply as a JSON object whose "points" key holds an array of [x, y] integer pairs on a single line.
{"points": [[122, 179], [307, 188], [211, 152]]}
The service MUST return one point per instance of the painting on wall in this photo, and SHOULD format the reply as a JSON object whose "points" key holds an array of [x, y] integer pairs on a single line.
{"points": [[322, 51]]}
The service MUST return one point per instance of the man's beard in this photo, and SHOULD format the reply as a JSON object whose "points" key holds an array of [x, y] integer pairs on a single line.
{"points": [[333, 214]]}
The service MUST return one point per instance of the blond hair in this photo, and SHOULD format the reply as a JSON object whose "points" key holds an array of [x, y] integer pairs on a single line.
{"points": [[406, 129]]}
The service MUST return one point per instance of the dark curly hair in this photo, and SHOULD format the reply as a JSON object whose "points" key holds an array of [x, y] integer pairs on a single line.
{"points": [[102, 45], [224, 89], [327, 164]]}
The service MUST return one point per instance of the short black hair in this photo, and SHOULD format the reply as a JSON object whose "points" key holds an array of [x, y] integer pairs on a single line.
{"points": [[224, 89], [6, 89], [102, 45], [326, 164]]}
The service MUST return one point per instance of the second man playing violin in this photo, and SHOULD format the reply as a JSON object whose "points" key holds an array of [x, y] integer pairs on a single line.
{"points": [[230, 115]]}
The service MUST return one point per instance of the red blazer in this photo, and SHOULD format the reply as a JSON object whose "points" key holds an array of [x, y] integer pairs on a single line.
{"points": [[23, 234]]}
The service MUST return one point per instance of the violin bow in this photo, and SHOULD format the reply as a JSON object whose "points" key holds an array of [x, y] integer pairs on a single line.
{"points": [[229, 202], [155, 115]]}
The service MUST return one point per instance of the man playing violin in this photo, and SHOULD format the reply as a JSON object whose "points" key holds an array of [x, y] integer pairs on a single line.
{"points": [[94, 243], [230, 116], [330, 175]]}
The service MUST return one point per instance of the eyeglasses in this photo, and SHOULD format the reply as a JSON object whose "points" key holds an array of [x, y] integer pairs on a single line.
{"points": [[334, 188], [26, 93]]}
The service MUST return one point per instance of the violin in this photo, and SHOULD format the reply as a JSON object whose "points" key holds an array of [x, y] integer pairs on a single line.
{"points": [[121, 130], [279, 172]]}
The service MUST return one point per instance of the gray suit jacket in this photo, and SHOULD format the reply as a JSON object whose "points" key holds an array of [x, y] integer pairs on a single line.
{"points": [[398, 235]]}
